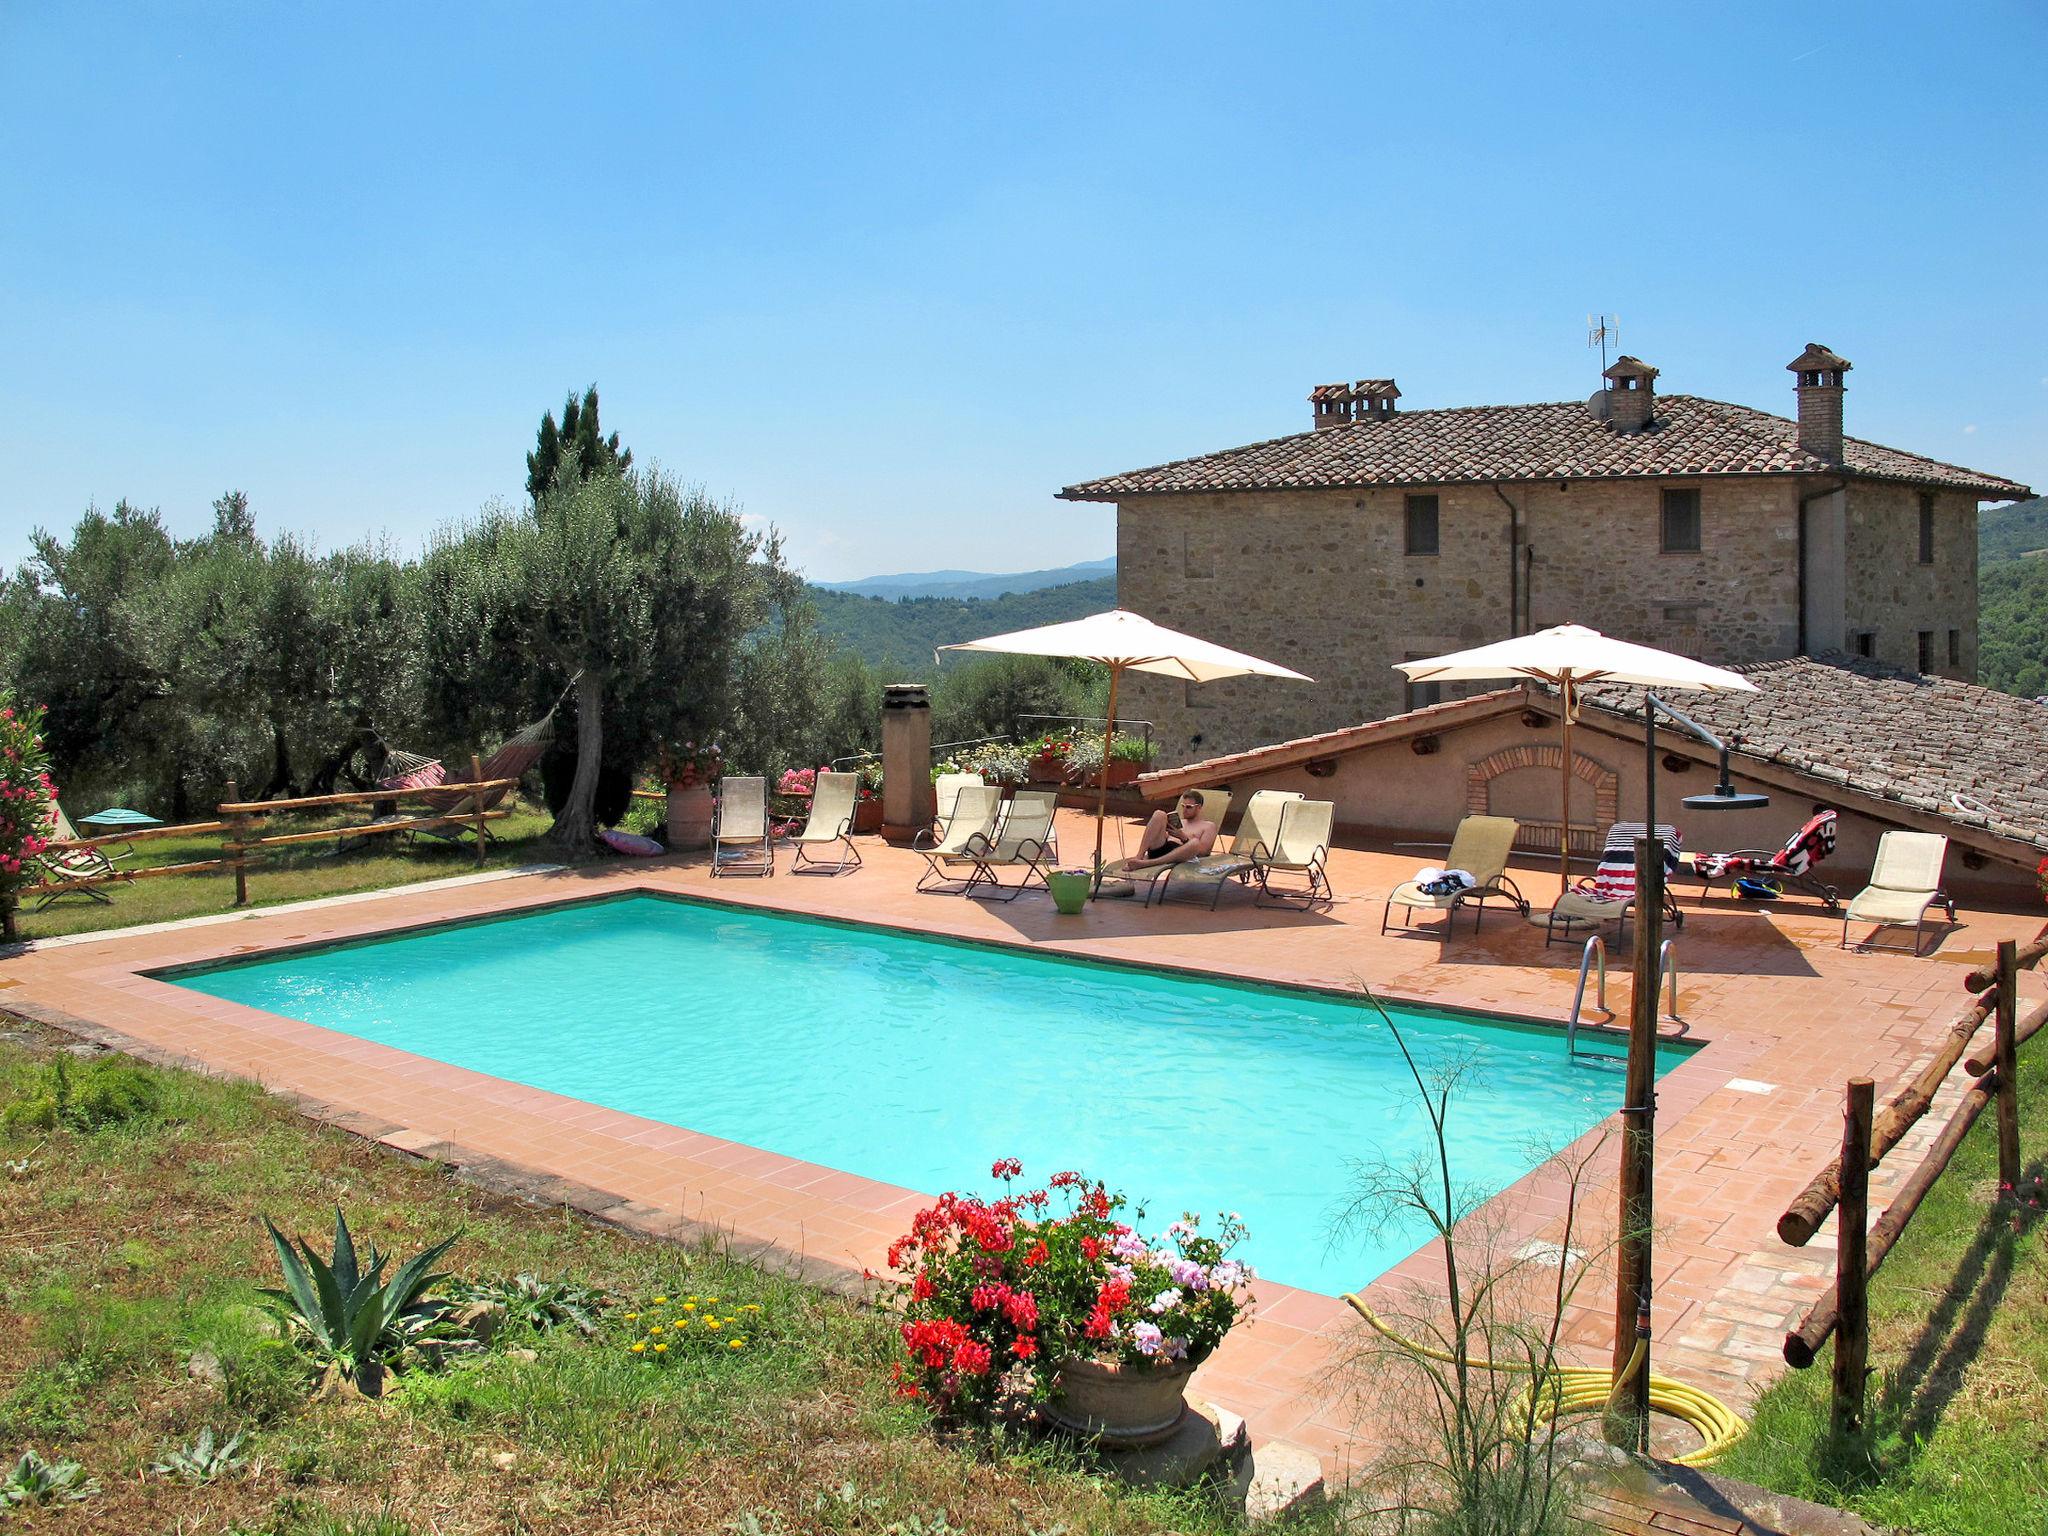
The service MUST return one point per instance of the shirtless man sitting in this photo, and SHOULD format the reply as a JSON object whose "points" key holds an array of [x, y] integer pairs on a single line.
{"points": [[1168, 842]]}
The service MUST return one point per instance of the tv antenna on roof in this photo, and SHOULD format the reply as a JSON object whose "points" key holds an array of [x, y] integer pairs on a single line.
{"points": [[1601, 329]]}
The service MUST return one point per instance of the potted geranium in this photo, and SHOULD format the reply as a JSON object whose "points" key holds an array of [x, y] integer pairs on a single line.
{"points": [[692, 772], [1051, 756], [867, 802], [1048, 1297], [25, 798]]}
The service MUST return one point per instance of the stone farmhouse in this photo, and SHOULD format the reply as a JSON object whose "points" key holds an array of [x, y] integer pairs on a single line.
{"points": [[1380, 535]]}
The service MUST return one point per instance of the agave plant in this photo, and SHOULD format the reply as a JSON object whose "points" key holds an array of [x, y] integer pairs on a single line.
{"points": [[204, 1460], [36, 1481], [350, 1318]]}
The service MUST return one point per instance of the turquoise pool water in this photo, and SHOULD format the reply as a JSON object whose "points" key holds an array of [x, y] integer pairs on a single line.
{"points": [[919, 1062]]}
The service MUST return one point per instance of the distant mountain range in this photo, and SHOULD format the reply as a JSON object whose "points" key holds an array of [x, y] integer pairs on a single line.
{"points": [[970, 584], [896, 622]]}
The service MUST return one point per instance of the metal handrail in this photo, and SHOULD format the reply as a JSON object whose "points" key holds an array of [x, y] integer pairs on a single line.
{"points": [[939, 749], [1596, 950], [1596, 955]]}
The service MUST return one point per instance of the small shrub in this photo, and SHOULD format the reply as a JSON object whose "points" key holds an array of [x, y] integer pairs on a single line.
{"points": [[540, 1305], [36, 1481], [106, 1091], [204, 1460]]}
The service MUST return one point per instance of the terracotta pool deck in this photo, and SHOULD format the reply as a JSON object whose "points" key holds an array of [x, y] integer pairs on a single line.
{"points": [[1785, 1015]]}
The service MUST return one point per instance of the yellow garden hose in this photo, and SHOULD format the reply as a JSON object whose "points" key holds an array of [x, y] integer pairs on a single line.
{"points": [[1583, 1390]]}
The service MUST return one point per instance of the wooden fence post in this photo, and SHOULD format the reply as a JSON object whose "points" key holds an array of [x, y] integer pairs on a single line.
{"points": [[476, 776], [1852, 1262], [2005, 1043], [236, 834]]}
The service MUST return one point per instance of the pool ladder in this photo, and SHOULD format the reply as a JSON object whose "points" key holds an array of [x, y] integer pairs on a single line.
{"points": [[1596, 955]]}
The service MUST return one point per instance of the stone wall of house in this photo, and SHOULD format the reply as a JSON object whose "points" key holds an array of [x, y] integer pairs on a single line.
{"points": [[1320, 581], [1893, 598]]}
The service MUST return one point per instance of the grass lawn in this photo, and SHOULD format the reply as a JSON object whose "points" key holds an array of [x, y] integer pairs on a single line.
{"points": [[1959, 1345], [130, 1262], [299, 872]]}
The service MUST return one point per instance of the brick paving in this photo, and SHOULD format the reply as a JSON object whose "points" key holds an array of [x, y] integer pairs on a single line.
{"points": [[1784, 1014]]}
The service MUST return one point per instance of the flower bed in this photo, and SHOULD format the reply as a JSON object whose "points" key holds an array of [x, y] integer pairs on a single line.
{"points": [[1001, 1293]]}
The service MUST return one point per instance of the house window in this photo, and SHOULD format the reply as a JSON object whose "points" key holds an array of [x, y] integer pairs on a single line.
{"points": [[1926, 650], [1866, 642], [1926, 528], [1955, 647], [1422, 531], [1681, 522]]}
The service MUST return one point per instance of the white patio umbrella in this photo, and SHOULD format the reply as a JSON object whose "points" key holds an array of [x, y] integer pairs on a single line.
{"points": [[1568, 657], [1125, 641]]}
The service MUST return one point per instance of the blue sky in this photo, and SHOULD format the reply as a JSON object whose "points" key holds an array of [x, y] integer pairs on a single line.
{"points": [[888, 276]]}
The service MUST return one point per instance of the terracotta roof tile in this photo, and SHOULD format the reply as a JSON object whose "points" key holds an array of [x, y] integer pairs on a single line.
{"points": [[1559, 441]]}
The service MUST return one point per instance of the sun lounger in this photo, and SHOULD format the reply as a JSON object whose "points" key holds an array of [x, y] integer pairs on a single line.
{"points": [[948, 856], [1480, 847], [1260, 824], [945, 790], [740, 844], [1023, 840], [1904, 884], [62, 867], [1791, 865], [833, 797], [1300, 852], [1609, 894], [1121, 878]]}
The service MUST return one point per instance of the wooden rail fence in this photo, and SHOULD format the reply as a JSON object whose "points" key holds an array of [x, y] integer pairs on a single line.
{"points": [[466, 804], [1844, 1185]]}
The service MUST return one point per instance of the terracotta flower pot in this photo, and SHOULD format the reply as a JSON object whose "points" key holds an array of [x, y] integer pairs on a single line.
{"points": [[689, 817], [1048, 768], [867, 816], [1121, 1407]]}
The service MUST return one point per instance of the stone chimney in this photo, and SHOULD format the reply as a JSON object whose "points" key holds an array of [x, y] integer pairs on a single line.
{"points": [[1820, 386], [1375, 397], [1332, 405], [1631, 394]]}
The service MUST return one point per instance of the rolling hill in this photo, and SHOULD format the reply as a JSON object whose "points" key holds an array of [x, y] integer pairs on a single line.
{"points": [[965, 584], [2012, 598], [900, 634]]}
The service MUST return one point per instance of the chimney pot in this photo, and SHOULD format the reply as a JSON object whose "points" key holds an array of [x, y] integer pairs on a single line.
{"points": [[1332, 405], [1631, 394], [1820, 386]]}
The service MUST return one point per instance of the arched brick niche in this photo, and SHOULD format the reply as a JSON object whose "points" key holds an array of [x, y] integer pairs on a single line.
{"points": [[1515, 781]]}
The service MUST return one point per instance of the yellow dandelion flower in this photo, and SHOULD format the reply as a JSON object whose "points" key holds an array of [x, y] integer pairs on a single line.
{"points": [[750, 1307], [710, 1301], [640, 1346], [681, 1323], [693, 1298], [737, 1344], [661, 1301], [655, 1329], [712, 1322], [661, 1349], [689, 1306], [632, 1317]]}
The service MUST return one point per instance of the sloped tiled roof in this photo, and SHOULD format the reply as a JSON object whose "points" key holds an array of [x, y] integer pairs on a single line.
{"points": [[1560, 441], [1894, 735], [1841, 721]]}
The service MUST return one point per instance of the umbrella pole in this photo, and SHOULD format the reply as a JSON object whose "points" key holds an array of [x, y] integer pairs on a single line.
{"points": [[1102, 777], [1564, 826]]}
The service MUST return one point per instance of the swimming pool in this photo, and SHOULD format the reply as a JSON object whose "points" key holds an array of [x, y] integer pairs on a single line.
{"points": [[918, 1061]]}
